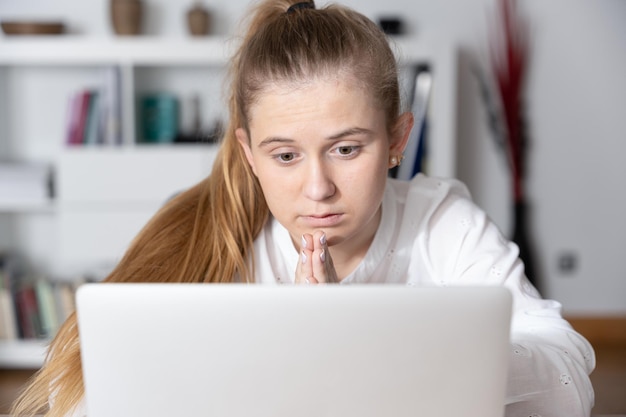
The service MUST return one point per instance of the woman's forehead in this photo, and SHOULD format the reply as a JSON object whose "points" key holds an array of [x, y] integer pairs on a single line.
{"points": [[314, 90], [322, 109], [315, 96], [339, 77]]}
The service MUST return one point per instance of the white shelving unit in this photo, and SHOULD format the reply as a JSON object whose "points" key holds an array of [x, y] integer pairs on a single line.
{"points": [[105, 194], [22, 354], [132, 53], [45, 207]]}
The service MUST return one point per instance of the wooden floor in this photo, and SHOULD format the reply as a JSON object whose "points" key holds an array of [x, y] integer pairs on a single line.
{"points": [[609, 381], [11, 382]]}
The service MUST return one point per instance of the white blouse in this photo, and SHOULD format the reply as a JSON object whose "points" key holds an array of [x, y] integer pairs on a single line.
{"points": [[431, 233]]}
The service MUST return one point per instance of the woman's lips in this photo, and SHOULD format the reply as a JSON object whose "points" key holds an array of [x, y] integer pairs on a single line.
{"points": [[324, 220]]}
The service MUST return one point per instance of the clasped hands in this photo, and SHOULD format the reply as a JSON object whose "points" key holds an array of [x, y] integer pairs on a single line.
{"points": [[315, 265]]}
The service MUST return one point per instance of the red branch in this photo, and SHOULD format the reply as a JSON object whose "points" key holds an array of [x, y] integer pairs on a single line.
{"points": [[509, 65]]}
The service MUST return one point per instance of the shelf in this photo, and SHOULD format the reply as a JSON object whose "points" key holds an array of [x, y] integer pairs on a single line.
{"points": [[141, 50], [150, 50], [22, 354], [141, 174], [47, 207], [132, 52]]}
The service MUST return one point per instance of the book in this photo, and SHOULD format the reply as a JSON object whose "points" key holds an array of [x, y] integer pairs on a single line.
{"points": [[77, 117], [84, 112], [92, 127], [111, 107], [416, 147], [9, 326], [71, 120], [8, 323], [27, 312], [64, 298], [48, 319]]}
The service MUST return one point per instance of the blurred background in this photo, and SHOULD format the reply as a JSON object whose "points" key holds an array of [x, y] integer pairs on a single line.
{"points": [[575, 111], [573, 108]]}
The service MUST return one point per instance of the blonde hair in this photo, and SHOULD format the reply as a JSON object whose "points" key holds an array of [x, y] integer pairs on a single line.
{"points": [[206, 234]]}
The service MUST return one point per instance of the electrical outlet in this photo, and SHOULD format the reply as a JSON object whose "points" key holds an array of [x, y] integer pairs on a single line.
{"points": [[567, 263]]}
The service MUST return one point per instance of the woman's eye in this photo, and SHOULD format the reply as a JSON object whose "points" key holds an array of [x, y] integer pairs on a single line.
{"points": [[286, 157], [347, 150]]}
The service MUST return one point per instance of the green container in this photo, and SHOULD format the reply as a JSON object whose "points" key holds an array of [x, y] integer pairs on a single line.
{"points": [[159, 118]]}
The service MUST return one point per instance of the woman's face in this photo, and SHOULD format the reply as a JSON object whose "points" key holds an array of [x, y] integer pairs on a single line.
{"points": [[321, 154]]}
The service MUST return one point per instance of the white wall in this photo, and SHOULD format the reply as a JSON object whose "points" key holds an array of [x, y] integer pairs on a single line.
{"points": [[580, 117], [577, 119], [576, 112]]}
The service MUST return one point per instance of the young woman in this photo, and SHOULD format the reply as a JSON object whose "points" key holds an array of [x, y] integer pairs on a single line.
{"points": [[299, 194]]}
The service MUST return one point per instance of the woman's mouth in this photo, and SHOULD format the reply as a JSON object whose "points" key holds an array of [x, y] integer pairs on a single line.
{"points": [[322, 220]]}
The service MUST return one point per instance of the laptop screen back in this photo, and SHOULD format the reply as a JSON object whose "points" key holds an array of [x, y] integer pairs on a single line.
{"points": [[164, 350]]}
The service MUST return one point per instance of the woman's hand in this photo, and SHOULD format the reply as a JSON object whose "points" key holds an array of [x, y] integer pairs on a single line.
{"points": [[316, 265]]}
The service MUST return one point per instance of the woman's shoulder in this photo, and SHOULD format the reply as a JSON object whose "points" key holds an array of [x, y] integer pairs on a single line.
{"points": [[423, 188], [435, 204]]}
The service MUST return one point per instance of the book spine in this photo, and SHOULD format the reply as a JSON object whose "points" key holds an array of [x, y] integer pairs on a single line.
{"points": [[92, 130], [72, 119], [83, 110], [64, 300], [46, 307], [112, 107], [28, 313], [8, 323], [415, 149]]}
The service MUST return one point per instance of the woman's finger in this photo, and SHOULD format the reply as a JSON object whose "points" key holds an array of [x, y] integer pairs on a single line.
{"points": [[323, 268], [304, 270]]}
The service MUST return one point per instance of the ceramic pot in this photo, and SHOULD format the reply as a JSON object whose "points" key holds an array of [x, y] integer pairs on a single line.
{"points": [[198, 20], [126, 16]]}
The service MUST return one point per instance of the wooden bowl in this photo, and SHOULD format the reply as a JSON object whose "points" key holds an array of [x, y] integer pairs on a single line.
{"points": [[32, 28]]}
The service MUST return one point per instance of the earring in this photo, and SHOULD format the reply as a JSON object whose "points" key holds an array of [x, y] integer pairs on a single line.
{"points": [[396, 160]]}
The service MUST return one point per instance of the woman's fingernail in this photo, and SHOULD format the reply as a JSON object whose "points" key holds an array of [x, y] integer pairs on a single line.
{"points": [[323, 239], [303, 242], [307, 281], [323, 255], [303, 256]]}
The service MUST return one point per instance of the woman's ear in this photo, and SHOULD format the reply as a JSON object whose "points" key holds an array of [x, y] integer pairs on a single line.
{"points": [[244, 142], [400, 134]]}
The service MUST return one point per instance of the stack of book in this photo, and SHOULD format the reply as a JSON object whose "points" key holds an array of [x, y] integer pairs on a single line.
{"points": [[94, 115], [31, 308], [22, 183]]}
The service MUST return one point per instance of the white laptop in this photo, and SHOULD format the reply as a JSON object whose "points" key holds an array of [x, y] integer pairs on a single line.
{"points": [[231, 350]]}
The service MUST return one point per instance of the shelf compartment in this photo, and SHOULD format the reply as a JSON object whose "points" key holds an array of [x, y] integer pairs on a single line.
{"points": [[131, 174], [44, 207], [22, 354], [107, 194]]}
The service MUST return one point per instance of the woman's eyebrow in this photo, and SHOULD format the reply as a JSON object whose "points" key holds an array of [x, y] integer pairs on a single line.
{"points": [[353, 131], [272, 140]]}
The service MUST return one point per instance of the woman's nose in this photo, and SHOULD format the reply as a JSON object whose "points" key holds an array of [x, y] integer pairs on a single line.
{"points": [[318, 183]]}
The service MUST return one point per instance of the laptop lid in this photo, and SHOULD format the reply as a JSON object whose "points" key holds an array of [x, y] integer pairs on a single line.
{"points": [[230, 350]]}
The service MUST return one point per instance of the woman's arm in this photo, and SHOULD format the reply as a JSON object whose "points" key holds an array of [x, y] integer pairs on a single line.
{"points": [[550, 362]]}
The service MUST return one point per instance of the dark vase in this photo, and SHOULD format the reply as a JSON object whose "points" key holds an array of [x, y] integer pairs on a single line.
{"points": [[524, 242]]}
